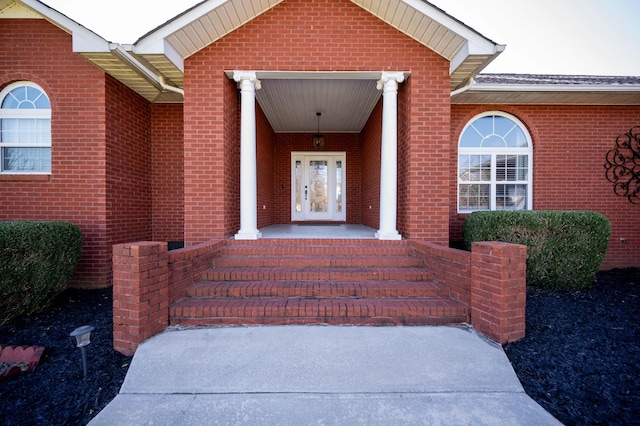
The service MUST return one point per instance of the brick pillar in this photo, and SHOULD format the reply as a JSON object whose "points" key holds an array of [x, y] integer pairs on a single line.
{"points": [[140, 293], [499, 290]]}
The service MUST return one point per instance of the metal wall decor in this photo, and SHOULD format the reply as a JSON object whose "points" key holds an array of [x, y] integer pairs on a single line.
{"points": [[623, 165]]}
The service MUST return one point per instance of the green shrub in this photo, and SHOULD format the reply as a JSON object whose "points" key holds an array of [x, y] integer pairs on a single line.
{"points": [[37, 261], [564, 248]]}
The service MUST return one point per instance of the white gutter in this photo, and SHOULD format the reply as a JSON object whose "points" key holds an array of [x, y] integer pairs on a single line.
{"points": [[158, 81], [463, 88]]}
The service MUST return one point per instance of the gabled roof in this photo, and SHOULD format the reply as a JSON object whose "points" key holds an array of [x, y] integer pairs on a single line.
{"points": [[113, 58], [166, 47], [550, 90]]}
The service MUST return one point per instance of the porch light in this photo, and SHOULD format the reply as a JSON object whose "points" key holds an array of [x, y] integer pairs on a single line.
{"points": [[82, 335], [318, 138]]}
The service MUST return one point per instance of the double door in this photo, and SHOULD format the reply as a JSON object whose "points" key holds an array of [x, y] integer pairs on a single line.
{"points": [[318, 186]]}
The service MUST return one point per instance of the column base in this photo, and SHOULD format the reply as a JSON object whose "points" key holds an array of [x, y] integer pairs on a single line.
{"points": [[388, 235], [248, 235]]}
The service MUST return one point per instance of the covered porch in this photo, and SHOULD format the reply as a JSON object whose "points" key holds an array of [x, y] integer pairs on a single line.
{"points": [[317, 231], [291, 172]]}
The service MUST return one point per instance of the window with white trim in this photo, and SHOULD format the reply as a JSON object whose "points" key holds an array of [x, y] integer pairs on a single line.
{"points": [[25, 129], [495, 161]]}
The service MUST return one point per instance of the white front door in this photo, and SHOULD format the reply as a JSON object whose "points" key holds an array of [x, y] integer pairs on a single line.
{"points": [[318, 186]]}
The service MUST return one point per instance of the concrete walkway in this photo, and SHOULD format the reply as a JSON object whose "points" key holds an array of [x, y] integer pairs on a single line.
{"points": [[325, 375]]}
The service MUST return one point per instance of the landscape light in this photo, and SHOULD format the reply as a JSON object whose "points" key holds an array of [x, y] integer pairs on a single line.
{"points": [[82, 335]]}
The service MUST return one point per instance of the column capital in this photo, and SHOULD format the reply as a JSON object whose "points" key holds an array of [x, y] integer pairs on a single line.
{"points": [[389, 77], [248, 76]]}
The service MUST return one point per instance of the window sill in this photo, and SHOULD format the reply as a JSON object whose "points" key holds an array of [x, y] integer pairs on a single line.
{"points": [[24, 178]]}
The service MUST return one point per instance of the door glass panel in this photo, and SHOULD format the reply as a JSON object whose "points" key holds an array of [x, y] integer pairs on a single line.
{"points": [[298, 183], [338, 186], [318, 186]]}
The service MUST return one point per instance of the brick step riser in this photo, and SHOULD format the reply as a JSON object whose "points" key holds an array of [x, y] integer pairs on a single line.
{"points": [[333, 311], [388, 289], [348, 320], [319, 242], [320, 274], [316, 262], [317, 251]]}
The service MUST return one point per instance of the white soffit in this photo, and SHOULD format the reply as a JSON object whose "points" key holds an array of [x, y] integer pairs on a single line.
{"points": [[167, 46], [290, 100], [9, 9], [83, 38], [467, 50], [92, 47]]}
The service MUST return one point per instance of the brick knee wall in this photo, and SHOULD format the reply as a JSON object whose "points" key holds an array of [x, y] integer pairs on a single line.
{"points": [[140, 293], [146, 279], [499, 290]]}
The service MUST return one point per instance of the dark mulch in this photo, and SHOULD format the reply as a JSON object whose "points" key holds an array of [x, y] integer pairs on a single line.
{"points": [[579, 360], [55, 393]]}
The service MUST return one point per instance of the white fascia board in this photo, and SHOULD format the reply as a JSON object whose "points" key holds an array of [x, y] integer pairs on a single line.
{"points": [[152, 43], [478, 87], [174, 56], [477, 43], [84, 40], [160, 47], [317, 75], [459, 58]]}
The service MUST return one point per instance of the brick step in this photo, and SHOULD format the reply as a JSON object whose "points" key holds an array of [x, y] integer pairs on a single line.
{"points": [[317, 250], [244, 289], [293, 242], [335, 310], [317, 274], [324, 261]]}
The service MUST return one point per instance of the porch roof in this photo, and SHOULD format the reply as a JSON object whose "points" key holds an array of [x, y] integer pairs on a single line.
{"points": [[153, 66], [550, 90]]}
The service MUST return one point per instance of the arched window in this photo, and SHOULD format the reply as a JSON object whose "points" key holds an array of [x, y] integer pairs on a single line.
{"points": [[495, 160], [25, 129]]}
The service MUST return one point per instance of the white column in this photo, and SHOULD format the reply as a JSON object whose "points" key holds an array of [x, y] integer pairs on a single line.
{"points": [[388, 83], [248, 83]]}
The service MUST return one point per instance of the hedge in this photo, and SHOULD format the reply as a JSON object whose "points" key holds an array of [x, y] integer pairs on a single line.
{"points": [[564, 248], [37, 261]]}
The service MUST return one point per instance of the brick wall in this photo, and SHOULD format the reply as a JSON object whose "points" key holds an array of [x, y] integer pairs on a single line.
{"points": [[146, 279], [37, 51], [569, 148], [167, 172], [283, 39], [423, 154], [128, 164], [265, 145], [371, 139], [499, 290]]}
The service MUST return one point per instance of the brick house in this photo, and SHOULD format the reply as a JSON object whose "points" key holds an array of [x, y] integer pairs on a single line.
{"points": [[205, 128]]}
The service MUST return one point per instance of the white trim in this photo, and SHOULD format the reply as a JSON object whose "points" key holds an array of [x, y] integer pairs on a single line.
{"points": [[494, 152], [477, 43], [84, 40], [388, 83], [10, 113], [317, 75], [333, 156], [479, 87], [248, 84]]}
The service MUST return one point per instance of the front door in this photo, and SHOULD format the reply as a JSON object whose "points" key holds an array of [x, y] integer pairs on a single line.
{"points": [[318, 184]]}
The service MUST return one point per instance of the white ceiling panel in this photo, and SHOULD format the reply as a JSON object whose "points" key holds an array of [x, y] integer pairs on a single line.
{"points": [[291, 104]]}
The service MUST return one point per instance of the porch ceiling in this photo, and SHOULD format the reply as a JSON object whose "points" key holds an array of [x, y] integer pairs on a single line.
{"points": [[345, 101]]}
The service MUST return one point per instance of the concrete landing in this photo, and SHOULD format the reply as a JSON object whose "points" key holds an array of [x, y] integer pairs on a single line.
{"points": [[338, 375]]}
